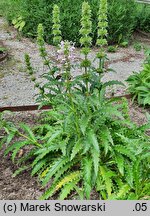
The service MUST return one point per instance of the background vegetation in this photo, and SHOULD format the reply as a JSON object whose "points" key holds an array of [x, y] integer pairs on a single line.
{"points": [[124, 17]]}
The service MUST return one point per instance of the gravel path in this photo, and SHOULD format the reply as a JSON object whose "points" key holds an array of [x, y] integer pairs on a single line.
{"points": [[15, 85]]}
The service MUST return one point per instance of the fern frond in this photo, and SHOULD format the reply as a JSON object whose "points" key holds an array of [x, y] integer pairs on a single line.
{"points": [[136, 175], [51, 135]]}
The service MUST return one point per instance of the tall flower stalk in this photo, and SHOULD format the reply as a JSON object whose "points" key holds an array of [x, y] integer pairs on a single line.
{"points": [[66, 59], [41, 45], [86, 40], [56, 25], [102, 34]]}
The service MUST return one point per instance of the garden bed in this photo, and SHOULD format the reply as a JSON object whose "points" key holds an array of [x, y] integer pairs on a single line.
{"points": [[26, 187]]}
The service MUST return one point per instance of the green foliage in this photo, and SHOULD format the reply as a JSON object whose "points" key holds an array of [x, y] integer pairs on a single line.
{"points": [[112, 49], [137, 47], [139, 85], [56, 25], [102, 24], [121, 19], [18, 23], [86, 142], [124, 44], [143, 17], [3, 49], [124, 16]]}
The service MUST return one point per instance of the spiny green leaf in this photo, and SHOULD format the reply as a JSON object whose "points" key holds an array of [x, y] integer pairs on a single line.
{"points": [[113, 82], [129, 174], [58, 164], [67, 189], [38, 166], [28, 130], [42, 153], [107, 179], [96, 158], [16, 145], [120, 163], [84, 123], [76, 148], [87, 175], [123, 150], [123, 191], [93, 140], [68, 178]]}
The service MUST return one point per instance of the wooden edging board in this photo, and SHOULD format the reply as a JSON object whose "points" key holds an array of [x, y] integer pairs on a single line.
{"points": [[36, 107]]}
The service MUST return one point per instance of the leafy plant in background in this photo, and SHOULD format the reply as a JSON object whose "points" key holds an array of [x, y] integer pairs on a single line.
{"points": [[139, 84], [137, 47], [86, 142], [112, 49], [18, 23], [123, 18], [143, 17]]}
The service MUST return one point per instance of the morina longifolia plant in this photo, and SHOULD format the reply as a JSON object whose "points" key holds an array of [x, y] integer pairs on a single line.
{"points": [[87, 142]]}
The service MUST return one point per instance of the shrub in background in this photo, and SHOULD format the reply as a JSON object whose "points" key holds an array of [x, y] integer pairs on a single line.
{"points": [[121, 17], [143, 17]]}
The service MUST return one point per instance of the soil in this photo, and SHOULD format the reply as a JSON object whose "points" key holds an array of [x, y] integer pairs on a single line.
{"points": [[25, 187]]}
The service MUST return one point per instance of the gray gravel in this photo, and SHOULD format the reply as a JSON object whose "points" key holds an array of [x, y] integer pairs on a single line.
{"points": [[15, 85]]}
